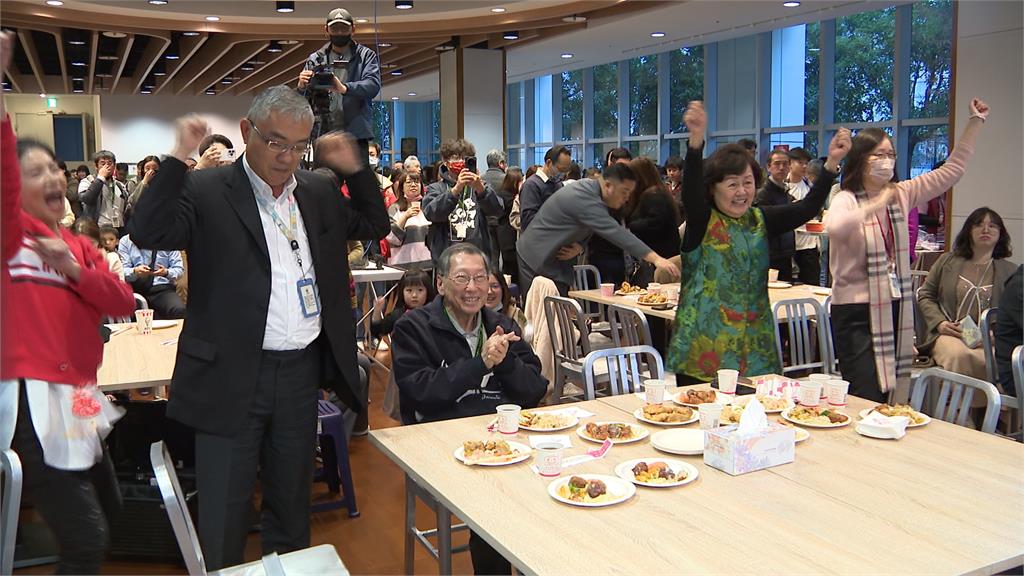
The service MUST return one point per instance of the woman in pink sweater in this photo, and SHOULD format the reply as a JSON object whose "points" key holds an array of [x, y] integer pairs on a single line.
{"points": [[869, 257]]}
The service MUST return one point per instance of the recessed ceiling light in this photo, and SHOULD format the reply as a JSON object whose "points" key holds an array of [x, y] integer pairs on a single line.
{"points": [[574, 19], [104, 75], [109, 34], [403, 4], [158, 2], [54, 3], [145, 91], [226, 81], [411, 94], [172, 52], [74, 91], [274, 47], [42, 95], [190, 33], [361, 20], [497, 10], [657, 34], [385, 44], [247, 68], [285, 6], [76, 42], [566, 55], [107, 57], [77, 79], [791, 4], [511, 35], [257, 62], [396, 72], [393, 97], [78, 63], [213, 18], [210, 91], [288, 42]]}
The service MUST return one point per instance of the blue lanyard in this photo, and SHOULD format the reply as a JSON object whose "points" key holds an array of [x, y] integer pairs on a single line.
{"points": [[289, 232]]}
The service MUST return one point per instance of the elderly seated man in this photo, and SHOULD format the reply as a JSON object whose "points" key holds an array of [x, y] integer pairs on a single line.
{"points": [[455, 357]]}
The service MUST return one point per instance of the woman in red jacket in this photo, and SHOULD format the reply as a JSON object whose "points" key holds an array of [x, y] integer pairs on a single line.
{"points": [[56, 288]]}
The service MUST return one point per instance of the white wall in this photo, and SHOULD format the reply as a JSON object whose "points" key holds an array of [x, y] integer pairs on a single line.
{"points": [[483, 103], [989, 64], [28, 112], [136, 126]]}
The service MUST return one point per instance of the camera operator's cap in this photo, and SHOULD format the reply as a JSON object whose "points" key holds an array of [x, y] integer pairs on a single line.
{"points": [[339, 15]]}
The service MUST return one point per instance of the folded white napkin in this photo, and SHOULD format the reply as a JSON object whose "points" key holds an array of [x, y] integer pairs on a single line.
{"points": [[877, 425]]}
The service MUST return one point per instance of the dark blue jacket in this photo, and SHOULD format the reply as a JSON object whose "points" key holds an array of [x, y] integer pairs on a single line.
{"points": [[443, 210], [439, 377], [363, 84]]}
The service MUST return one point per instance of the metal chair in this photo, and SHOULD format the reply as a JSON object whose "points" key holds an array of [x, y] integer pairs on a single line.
{"points": [[805, 342], [628, 326], [986, 324], [588, 277], [953, 403], [10, 503], [140, 304], [625, 372], [570, 341], [1017, 403]]}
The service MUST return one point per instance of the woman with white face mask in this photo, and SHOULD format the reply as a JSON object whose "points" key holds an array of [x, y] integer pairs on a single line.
{"points": [[872, 315]]}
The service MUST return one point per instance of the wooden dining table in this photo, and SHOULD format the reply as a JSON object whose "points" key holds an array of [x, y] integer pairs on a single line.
{"points": [[132, 360], [943, 499]]}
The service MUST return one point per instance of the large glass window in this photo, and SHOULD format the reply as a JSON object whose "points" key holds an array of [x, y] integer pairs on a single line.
{"points": [[515, 157], [686, 83], [382, 123], [572, 105], [806, 140], [931, 59], [928, 145], [606, 100], [737, 77], [794, 91], [648, 148], [601, 151], [542, 109], [643, 96], [514, 113], [864, 66], [435, 121]]}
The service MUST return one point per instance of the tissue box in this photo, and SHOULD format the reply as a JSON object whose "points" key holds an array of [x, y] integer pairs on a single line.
{"points": [[735, 453]]}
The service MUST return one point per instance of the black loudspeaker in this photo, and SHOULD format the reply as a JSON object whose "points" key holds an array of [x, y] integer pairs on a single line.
{"points": [[409, 147]]}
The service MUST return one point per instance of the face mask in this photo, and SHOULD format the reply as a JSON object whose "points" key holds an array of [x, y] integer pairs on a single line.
{"points": [[341, 40], [374, 161], [457, 167], [883, 169]]}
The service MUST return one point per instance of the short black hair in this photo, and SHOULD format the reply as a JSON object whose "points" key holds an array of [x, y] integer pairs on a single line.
{"points": [[617, 154], [747, 143], [800, 154], [575, 172], [554, 152], [214, 139], [103, 154], [617, 171], [83, 168], [674, 162]]}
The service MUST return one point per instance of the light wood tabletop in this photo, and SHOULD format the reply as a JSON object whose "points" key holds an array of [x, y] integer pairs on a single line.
{"points": [[944, 499], [132, 360], [774, 295]]}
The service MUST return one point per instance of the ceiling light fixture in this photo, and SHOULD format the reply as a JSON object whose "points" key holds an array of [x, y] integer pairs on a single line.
{"points": [[54, 3], [76, 40], [657, 34], [403, 4], [574, 19], [172, 52], [42, 95], [274, 47], [412, 93], [791, 4], [77, 79], [247, 67], [107, 57], [158, 2], [160, 68], [361, 20], [78, 63], [288, 42], [211, 91], [146, 91], [110, 34], [510, 35], [190, 33], [226, 81], [394, 97], [385, 45], [566, 55], [497, 10], [78, 87], [213, 18], [285, 6], [396, 72]]}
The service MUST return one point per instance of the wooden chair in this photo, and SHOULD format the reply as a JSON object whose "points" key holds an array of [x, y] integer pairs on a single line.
{"points": [[953, 402]]}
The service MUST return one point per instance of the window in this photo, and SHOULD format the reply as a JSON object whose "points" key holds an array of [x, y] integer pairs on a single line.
{"points": [[435, 125], [686, 83], [606, 101], [794, 91], [931, 58], [928, 145], [601, 151], [864, 66], [382, 123], [806, 140], [643, 96], [514, 103], [648, 148], [542, 110], [572, 105], [677, 147], [515, 157]]}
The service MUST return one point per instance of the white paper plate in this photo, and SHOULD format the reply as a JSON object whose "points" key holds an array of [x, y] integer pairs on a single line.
{"points": [[719, 399], [639, 433], [523, 449], [684, 441], [779, 285], [821, 291], [927, 419], [158, 324], [766, 410], [639, 415], [801, 435], [785, 415], [572, 421], [625, 471], [620, 490]]}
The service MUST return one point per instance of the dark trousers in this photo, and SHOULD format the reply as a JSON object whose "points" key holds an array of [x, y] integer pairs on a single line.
{"points": [[611, 267], [77, 506], [526, 276], [277, 438], [486, 560], [165, 302], [809, 263], [510, 264], [851, 331], [784, 266]]}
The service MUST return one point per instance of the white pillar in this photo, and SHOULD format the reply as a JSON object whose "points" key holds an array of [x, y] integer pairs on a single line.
{"points": [[472, 88]]}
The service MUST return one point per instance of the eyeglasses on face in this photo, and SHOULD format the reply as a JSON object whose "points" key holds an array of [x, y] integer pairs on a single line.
{"points": [[882, 155], [464, 279], [279, 147]]}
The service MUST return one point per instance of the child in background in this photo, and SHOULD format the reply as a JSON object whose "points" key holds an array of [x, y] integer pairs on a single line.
{"points": [[414, 290], [88, 228]]}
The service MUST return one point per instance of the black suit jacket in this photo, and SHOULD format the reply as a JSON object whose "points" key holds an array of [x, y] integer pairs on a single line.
{"points": [[214, 216]]}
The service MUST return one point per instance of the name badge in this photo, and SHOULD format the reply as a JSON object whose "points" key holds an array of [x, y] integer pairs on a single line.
{"points": [[307, 298], [894, 286]]}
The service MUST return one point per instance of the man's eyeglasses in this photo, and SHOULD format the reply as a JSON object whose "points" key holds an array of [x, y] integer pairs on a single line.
{"points": [[464, 279], [889, 156], [278, 147]]}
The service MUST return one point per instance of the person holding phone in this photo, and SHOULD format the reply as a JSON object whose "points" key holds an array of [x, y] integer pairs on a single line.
{"points": [[458, 205], [215, 150]]}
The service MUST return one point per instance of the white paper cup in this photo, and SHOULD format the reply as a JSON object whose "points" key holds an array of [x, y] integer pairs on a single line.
{"points": [[710, 415], [654, 391], [654, 288], [823, 379], [810, 392], [671, 293], [508, 418], [773, 275], [414, 204], [607, 289], [836, 391], [144, 321], [549, 459], [727, 381]]}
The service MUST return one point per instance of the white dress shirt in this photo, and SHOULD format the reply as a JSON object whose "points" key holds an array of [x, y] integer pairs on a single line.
{"points": [[287, 328], [798, 190]]}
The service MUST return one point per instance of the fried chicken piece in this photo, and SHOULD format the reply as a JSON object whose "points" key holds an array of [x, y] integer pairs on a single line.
{"points": [[639, 468], [596, 488]]}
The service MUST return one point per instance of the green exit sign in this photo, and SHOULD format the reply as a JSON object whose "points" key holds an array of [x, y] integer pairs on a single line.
{"points": [[51, 102]]}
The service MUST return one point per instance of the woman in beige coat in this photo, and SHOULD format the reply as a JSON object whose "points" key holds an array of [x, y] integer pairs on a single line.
{"points": [[962, 284]]}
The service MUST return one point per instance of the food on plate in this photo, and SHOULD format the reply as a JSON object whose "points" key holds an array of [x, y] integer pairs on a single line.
{"points": [[652, 299], [817, 416], [475, 451], [542, 420], [667, 413], [609, 431], [901, 410], [628, 288], [731, 414], [697, 396], [773, 403], [656, 473], [583, 490]]}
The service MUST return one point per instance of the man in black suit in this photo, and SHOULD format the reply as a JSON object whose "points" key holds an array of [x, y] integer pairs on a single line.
{"points": [[268, 316]]}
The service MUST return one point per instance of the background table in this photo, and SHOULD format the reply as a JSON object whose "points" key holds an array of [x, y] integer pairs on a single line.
{"points": [[132, 360], [944, 499], [774, 295]]}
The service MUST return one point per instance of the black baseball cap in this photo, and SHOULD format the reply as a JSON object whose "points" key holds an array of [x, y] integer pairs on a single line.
{"points": [[339, 15]]}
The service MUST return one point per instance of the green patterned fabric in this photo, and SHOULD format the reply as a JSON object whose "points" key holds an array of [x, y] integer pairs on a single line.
{"points": [[724, 319]]}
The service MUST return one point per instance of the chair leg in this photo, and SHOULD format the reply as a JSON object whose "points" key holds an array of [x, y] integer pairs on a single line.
{"points": [[410, 525], [345, 473]]}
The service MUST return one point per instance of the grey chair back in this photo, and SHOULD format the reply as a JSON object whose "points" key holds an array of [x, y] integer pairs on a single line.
{"points": [[177, 509], [830, 346], [588, 277], [628, 326], [986, 323], [956, 392], [626, 369], [570, 339], [1016, 430], [809, 335], [10, 503]]}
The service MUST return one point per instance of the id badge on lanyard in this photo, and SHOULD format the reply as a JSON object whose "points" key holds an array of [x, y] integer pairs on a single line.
{"points": [[889, 236], [309, 300]]}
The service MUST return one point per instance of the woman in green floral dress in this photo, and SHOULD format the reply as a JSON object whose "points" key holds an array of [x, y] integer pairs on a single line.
{"points": [[724, 319]]}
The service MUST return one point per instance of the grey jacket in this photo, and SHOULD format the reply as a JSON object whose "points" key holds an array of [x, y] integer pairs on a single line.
{"points": [[572, 214]]}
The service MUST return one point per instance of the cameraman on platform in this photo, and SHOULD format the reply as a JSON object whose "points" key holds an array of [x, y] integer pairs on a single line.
{"points": [[340, 80]]}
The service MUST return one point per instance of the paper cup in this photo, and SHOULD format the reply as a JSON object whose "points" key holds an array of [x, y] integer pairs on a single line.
{"points": [[773, 275], [549, 458], [654, 288], [823, 379], [508, 418], [607, 289], [144, 321], [414, 204], [654, 391], [727, 381], [836, 391], [710, 414], [671, 293], [810, 392]]}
